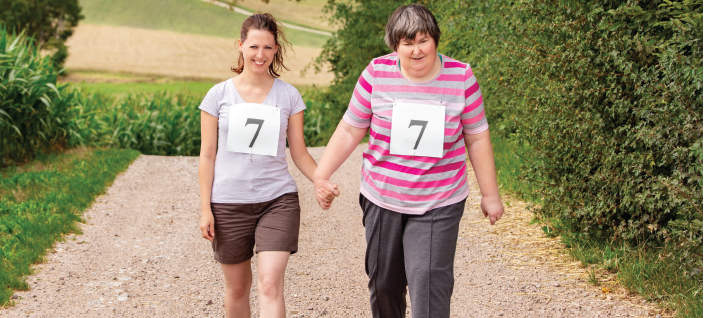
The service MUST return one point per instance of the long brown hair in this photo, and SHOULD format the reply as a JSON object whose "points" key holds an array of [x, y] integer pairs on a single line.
{"points": [[265, 22]]}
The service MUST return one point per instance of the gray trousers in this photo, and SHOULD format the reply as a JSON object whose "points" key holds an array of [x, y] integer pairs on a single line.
{"points": [[417, 251]]}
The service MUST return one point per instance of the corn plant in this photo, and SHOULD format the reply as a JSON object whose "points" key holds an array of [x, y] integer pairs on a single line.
{"points": [[33, 109]]}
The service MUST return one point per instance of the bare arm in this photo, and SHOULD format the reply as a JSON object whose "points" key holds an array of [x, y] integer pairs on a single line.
{"points": [[481, 155], [339, 148], [208, 150], [297, 145]]}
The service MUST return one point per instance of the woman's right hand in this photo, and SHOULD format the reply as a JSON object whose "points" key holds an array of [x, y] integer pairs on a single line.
{"points": [[325, 192], [207, 226]]}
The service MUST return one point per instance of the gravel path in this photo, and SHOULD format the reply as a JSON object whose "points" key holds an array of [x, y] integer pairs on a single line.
{"points": [[141, 255]]}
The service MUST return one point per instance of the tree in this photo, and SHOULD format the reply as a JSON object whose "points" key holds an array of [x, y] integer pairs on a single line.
{"points": [[359, 39], [49, 22]]}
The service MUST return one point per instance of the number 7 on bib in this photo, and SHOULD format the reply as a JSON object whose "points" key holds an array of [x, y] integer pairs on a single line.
{"points": [[417, 130]]}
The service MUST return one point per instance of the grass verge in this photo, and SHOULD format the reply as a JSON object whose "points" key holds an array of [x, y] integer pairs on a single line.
{"points": [[652, 272], [43, 200]]}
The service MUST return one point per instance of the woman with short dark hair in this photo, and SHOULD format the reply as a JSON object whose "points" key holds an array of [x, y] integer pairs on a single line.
{"points": [[421, 110]]}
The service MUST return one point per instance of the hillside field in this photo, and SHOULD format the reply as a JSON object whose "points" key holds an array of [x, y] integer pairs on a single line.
{"points": [[163, 53], [185, 16]]}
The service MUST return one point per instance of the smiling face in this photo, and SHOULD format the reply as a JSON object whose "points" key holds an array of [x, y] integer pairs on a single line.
{"points": [[258, 50], [417, 55]]}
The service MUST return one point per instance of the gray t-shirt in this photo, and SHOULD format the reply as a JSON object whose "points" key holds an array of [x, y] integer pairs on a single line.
{"points": [[247, 178]]}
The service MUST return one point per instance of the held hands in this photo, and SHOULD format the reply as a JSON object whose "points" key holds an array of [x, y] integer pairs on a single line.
{"points": [[493, 208], [325, 192]]}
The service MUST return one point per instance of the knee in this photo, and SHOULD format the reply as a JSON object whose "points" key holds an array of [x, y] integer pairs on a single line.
{"points": [[270, 286], [237, 291]]}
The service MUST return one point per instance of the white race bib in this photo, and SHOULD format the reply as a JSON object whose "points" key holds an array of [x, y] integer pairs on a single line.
{"points": [[417, 130], [254, 129]]}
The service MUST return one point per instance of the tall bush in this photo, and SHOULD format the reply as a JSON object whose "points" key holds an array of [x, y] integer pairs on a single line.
{"points": [[609, 96], [34, 110], [359, 39]]}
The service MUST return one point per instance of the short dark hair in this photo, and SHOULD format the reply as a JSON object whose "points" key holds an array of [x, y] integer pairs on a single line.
{"points": [[265, 22], [407, 21]]}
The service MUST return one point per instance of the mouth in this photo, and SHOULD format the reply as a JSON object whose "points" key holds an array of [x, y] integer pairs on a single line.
{"points": [[259, 63], [417, 58]]}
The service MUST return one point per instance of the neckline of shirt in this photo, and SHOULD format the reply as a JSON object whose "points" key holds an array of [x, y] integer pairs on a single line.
{"points": [[442, 69], [237, 93]]}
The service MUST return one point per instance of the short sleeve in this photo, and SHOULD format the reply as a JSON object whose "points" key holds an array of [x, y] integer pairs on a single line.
{"points": [[473, 117], [297, 104], [359, 111], [210, 102]]}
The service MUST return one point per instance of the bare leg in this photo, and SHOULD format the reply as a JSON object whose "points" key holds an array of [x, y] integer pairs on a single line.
{"points": [[270, 279], [238, 282]]}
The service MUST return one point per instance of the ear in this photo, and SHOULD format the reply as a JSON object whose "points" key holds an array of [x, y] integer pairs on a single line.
{"points": [[239, 44], [276, 49]]}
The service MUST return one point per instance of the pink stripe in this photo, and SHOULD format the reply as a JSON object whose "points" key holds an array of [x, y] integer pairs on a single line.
{"points": [[456, 198], [379, 136], [468, 74], [452, 77], [415, 185], [367, 87], [473, 105], [477, 130], [419, 89], [410, 197], [362, 100], [449, 155], [471, 90], [385, 61], [386, 124], [409, 170], [382, 100], [358, 112], [454, 65], [385, 74], [354, 123], [473, 120], [370, 69]]}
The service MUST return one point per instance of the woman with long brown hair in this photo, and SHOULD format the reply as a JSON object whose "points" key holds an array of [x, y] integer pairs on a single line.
{"points": [[248, 198]]}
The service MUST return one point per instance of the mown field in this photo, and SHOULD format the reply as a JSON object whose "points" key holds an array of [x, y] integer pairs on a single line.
{"points": [[309, 13], [184, 39], [164, 53], [190, 17]]}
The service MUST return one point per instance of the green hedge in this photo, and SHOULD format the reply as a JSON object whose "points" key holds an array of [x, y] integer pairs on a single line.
{"points": [[608, 94]]}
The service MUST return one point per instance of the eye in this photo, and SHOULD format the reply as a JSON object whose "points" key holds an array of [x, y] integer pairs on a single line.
{"points": [[253, 46]]}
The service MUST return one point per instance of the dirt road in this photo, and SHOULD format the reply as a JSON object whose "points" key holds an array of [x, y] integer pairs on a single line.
{"points": [[141, 255]]}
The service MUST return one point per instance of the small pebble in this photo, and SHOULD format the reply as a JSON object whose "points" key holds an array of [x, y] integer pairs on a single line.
{"points": [[210, 302]]}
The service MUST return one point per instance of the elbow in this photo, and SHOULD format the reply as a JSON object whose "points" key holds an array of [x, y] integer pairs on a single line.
{"points": [[208, 153]]}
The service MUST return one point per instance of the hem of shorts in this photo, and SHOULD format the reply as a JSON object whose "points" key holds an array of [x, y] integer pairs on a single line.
{"points": [[231, 261], [277, 248], [413, 211], [266, 199]]}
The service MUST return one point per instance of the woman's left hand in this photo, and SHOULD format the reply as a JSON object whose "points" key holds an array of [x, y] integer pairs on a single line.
{"points": [[492, 208]]}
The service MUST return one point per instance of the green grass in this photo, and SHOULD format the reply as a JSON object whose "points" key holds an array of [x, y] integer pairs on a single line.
{"points": [[42, 200], [651, 272], [507, 156], [126, 84], [183, 16]]}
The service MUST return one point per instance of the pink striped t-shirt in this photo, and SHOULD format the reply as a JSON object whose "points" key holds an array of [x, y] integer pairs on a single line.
{"points": [[412, 184]]}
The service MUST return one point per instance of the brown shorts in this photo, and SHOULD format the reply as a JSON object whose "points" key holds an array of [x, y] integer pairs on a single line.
{"points": [[272, 225]]}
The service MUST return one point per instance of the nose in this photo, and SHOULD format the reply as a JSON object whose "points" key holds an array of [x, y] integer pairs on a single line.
{"points": [[416, 49]]}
